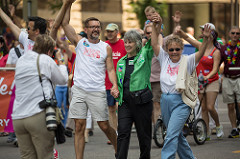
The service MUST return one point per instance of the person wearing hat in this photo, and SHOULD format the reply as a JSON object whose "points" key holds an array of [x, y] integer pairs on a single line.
{"points": [[212, 27], [118, 51], [208, 68], [212, 124]]}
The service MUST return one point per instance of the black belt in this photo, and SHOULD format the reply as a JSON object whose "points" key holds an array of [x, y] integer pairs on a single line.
{"points": [[232, 77]]}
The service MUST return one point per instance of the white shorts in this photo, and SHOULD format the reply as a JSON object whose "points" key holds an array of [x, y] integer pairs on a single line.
{"points": [[83, 100]]}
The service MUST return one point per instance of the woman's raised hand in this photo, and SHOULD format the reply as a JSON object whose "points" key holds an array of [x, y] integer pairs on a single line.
{"points": [[207, 31], [177, 17], [156, 19], [177, 30]]}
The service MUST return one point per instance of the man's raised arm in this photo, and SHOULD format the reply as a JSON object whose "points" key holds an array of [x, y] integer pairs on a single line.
{"points": [[68, 29], [14, 28], [58, 21]]}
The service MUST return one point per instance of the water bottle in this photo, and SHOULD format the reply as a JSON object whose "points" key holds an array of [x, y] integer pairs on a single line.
{"points": [[200, 80]]}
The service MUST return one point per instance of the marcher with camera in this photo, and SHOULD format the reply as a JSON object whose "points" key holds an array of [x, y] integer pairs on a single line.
{"points": [[135, 99], [35, 99]]}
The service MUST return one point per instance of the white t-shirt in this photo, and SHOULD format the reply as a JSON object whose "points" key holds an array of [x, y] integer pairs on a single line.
{"points": [[90, 65], [29, 91], [12, 56], [27, 43], [169, 71]]}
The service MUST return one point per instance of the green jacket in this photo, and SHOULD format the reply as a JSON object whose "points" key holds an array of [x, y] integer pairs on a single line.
{"points": [[140, 77]]}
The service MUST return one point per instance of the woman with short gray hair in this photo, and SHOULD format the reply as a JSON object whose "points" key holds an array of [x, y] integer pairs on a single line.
{"points": [[135, 99]]}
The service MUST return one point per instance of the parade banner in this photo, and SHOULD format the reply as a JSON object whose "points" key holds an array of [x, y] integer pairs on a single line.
{"points": [[6, 99]]}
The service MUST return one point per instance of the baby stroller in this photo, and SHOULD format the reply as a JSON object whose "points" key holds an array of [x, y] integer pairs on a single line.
{"points": [[194, 126]]}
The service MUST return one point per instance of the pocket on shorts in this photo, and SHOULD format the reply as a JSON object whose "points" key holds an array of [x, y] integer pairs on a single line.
{"points": [[102, 94], [226, 87], [237, 88]]}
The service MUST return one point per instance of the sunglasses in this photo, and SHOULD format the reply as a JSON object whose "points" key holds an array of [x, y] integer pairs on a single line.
{"points": [[28, 28], [172, 49], [148, 32], [237, 33]]}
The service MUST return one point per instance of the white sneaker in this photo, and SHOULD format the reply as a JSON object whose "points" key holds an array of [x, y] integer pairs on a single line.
{"points": [[219, 131]]}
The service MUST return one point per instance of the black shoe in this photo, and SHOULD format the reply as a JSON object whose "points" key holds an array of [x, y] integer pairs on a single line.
{"points": [[234, 134], [68, 133], [90, 133], [15, 142]]}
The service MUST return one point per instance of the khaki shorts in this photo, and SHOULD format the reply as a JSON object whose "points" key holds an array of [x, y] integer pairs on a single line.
{"points": [[211, 87], [83, 100], [156, 91], [230, 87]]}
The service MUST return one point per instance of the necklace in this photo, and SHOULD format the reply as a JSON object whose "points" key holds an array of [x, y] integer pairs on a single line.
{"points": [[235, 51]]}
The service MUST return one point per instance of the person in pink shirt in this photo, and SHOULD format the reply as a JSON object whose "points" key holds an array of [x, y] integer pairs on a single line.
{"points": [[3, 52]]}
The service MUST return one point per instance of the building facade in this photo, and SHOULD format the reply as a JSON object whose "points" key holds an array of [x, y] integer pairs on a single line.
{"points": [[222, 13]]}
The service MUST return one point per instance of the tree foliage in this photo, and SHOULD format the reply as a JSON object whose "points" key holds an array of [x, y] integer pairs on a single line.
{"points": [[55, 5], [138, 7]]}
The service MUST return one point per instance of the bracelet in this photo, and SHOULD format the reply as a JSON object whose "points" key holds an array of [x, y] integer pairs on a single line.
{"points": [[62, 60]]}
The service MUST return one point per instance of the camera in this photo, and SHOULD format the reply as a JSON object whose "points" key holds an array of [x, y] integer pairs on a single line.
{"points": [[49, 105]]}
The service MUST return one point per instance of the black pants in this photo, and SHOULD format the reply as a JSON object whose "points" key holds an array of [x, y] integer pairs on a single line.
{"points": [[141, 115]]}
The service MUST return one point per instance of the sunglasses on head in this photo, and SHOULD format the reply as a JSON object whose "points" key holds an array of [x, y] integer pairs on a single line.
{"points": [[172, 49], [237, 33]]}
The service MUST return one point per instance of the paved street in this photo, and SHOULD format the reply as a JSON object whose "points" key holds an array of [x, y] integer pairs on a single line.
{"points": [[98, 149]]}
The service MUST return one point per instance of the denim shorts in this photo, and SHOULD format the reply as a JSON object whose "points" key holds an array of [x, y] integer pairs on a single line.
{"points": [[110, 99]]}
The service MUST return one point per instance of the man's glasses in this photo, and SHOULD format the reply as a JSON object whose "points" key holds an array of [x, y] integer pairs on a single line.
{"points": [[94, 27], [172, 49], [148, 32], [237, 33]]}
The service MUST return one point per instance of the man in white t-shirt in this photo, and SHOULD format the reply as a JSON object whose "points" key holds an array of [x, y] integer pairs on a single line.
{"points": [[14, 54], [93, 57], [36, 26]]}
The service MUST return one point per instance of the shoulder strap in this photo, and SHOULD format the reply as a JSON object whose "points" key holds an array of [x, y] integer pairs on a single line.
{"points": [[39, 75], [40, 79], [17, 52], [213, 51]]}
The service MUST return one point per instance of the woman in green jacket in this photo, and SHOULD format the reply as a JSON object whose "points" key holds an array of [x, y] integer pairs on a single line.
{"points": [[135, 99]]}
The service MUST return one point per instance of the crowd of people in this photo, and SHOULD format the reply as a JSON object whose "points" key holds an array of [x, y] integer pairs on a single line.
{"points": [[119, 83]]}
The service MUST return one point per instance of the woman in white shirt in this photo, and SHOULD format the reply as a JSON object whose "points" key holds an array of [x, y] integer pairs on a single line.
{"points": [[29, 120], [174, 111]]}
